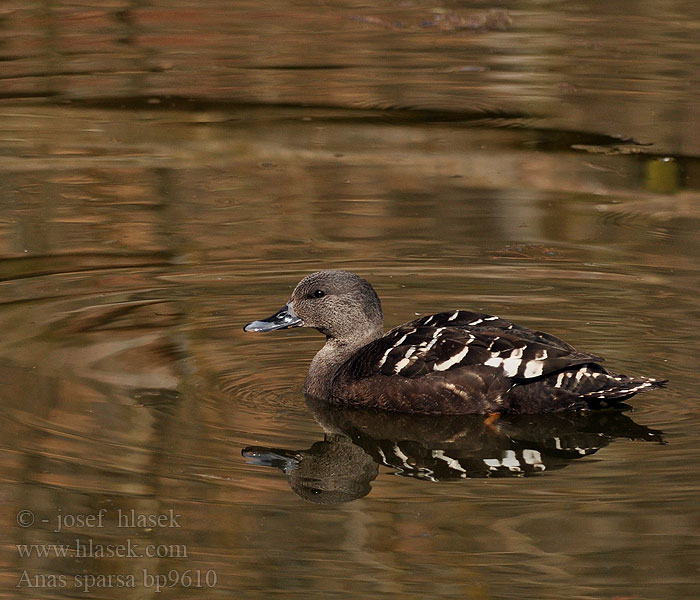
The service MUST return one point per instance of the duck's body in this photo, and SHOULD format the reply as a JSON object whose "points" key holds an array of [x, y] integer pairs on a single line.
{"points": [[454, 362]]}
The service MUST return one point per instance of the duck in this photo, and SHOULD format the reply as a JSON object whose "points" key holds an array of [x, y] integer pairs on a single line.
{"points": [[447, 363]]}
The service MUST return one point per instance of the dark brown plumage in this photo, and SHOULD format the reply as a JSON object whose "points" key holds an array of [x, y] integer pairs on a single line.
{"points": [[455, 362]]}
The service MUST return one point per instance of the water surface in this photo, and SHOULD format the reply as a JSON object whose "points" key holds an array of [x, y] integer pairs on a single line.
{"points": [[170, 171]]}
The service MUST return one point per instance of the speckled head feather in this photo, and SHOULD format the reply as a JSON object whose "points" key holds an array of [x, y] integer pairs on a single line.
{"points": [[340, 305]]}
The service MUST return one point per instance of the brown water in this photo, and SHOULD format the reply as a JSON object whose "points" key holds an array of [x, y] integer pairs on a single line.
{"points": [[170, 170]]}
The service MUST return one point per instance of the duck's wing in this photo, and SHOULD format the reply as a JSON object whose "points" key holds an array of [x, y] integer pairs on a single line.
{"points": [[468, 320], [420, 349]]}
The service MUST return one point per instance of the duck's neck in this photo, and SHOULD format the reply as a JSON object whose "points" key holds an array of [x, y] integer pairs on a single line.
{"points": [[334, 353]]}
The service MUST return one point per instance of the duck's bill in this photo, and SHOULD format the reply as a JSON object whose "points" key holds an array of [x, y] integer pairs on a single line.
{"points": [[287, 460], [280, 320]]}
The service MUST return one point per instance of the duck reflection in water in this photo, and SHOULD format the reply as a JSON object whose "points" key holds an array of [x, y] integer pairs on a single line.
{"points": [[341, 467]]}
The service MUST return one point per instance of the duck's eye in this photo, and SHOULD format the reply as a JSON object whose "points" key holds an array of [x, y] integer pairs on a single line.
{"points": [[319, 294]]}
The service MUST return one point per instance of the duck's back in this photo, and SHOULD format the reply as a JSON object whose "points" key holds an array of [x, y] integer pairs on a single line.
{"points": [[464, 362]]}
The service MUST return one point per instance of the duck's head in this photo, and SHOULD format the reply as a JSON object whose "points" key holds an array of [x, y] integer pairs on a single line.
{"points": [[339, 304]]}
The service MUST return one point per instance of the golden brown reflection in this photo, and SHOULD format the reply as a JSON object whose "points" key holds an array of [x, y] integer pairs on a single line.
{"points": [[168, 173]]}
